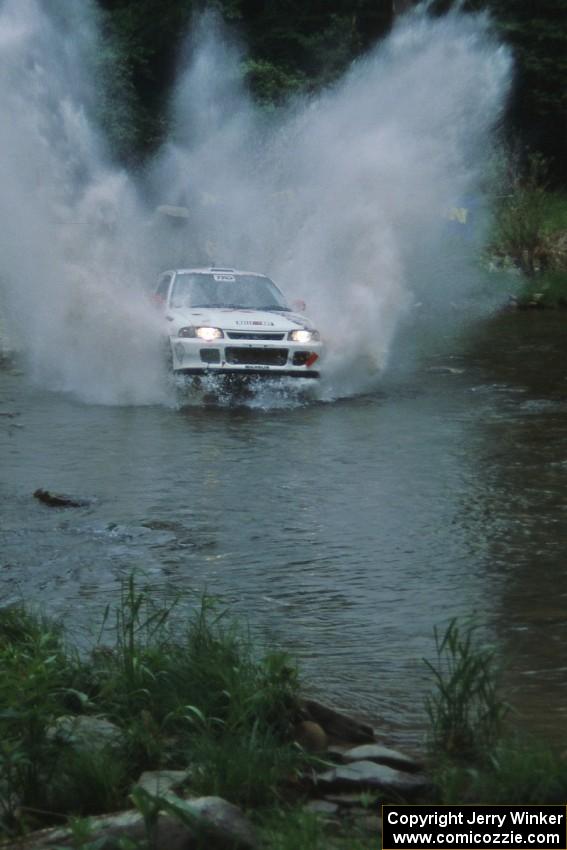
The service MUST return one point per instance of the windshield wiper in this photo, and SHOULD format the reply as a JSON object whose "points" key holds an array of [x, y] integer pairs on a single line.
{"points": [[275, 307]]}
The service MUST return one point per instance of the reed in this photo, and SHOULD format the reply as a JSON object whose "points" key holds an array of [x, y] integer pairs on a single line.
{"points": [[465, 710]]}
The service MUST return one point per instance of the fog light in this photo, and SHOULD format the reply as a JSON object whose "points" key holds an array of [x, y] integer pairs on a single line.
{"points": [[210, 355]]}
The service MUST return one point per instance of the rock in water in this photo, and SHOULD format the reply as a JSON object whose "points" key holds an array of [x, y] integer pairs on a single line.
{"points": [[311, 736], [367, 775], [382, 755], [59, 500], [337, 724]]}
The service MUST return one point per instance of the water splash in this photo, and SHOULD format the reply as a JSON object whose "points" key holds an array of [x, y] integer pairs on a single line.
{"points": [[341, 198], [344, 198], [73, 256]]}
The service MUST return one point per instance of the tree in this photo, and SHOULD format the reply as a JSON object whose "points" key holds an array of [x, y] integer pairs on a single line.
{"points": [[303, 45], [294, 46], [142, 40], [537, 32]]}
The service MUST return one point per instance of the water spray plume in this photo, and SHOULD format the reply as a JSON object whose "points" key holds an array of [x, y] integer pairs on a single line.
{"points": [[341, 198], [72, 243]]}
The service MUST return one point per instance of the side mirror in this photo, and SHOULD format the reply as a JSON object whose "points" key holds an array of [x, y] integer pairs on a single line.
{"points": [[299, 305]]}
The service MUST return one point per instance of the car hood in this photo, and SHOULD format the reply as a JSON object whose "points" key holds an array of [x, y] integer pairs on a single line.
{"points": [[240, 320]]}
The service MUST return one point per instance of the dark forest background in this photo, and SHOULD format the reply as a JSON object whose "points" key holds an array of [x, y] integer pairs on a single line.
{"points": [[299, 46]]}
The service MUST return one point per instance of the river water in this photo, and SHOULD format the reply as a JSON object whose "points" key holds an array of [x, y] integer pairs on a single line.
{"points": [[341, 531]]}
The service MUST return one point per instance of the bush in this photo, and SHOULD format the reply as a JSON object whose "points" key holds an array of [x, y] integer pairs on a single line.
{"points": [[521, 218]]}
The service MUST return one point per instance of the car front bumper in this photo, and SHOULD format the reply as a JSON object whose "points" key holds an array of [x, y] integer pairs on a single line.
{"points": [[225, 357]]}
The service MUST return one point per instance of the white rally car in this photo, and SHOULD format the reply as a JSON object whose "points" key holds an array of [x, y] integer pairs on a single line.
{"points": [[227, 322]]}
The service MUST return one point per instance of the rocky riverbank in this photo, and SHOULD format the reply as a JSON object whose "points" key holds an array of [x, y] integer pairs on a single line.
{"points": [[350, 774]]}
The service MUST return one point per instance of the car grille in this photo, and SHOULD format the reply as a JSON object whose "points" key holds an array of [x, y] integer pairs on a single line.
{"points": [[250, 335], [257, 356]]}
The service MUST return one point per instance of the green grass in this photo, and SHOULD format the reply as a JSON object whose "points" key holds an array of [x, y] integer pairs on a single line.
{"points": [[530, 223], [548, 289], [518, 771], [293, 829], [195, 695], [250, 770], [475, 755], [555, 212], [198, 694], [88, 783], [296, 829], [465, 711], [37, 678]]}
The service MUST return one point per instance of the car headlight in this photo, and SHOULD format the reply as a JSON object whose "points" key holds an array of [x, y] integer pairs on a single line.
{"points": [[303, 336], [209, 334], [206, 333]]}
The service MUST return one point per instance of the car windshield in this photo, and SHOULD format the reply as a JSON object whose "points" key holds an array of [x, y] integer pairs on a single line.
{"points": [[248, 292]]}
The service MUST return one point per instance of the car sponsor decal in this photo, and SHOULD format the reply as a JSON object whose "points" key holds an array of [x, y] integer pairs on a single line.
{"points": [[255, 322], [226, 278]]}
